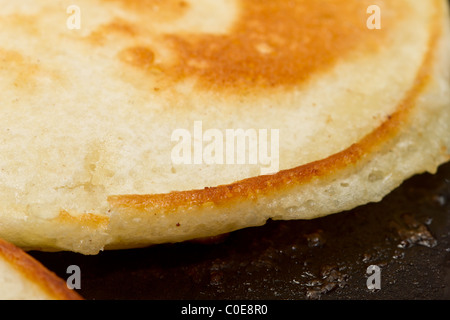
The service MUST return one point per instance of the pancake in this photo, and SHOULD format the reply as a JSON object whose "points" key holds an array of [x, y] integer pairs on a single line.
{"points": [[24, 278], [132, 123]]}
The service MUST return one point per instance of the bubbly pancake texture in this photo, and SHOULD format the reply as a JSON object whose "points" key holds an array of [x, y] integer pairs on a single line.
{"points": [[88, 114]]}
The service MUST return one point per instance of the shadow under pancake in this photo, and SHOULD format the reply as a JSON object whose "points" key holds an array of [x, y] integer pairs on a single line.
{"points": [[407, 235]]}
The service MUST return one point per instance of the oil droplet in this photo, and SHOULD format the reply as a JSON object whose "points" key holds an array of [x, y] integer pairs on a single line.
{"points": [[315, 239], [413, 233]]}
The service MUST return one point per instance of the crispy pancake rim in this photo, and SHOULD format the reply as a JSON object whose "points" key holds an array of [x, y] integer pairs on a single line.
{"points": [[254, 186]]}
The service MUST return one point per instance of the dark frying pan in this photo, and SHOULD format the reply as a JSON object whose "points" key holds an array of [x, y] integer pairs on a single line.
{"points": [[407, 235]]}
